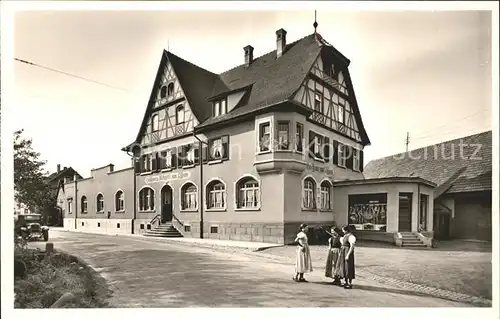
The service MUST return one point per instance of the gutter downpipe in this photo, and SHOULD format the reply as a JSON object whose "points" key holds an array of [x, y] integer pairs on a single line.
{"points": [[201, 183], [418, 207], [135, 191], [76, 200]]}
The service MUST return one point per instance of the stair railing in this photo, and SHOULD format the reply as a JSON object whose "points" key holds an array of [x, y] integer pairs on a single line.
{"points": [[155, 219], [178, 224]]}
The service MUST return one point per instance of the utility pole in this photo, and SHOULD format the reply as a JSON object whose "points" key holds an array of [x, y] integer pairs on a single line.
{"points": [[407, 140]]}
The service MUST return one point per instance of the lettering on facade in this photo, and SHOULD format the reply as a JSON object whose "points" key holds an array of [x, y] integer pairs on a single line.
{"points": [[167, 177], [313, 168]]}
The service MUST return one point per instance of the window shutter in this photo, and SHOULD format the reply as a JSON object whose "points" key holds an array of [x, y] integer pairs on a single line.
{"points": [[137, 165], [180, 156], [174, 156], [204, 150], [225, 147], [154, 162], [349, 160], [335, 152], [196, 153], [209, 150], [361, 161], [141, 200], [311, 144], [143, 163], [326, 149]]}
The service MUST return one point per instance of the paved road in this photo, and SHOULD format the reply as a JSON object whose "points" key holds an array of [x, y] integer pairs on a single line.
{"points": [[146, 273]]}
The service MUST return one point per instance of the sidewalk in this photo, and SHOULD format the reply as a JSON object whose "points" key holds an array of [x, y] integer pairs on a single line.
{"points": [[254, 246]]}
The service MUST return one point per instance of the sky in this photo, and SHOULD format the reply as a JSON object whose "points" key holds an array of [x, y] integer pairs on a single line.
{"points": [[426, 73]]}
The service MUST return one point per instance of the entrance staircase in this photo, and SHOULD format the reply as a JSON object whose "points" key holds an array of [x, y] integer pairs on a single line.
{"points": [[411, 240], [164, 230]]}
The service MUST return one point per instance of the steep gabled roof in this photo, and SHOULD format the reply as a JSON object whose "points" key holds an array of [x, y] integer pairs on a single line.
{"points": [[272, 79], [197, 84], [267, 81], [444, 164]]}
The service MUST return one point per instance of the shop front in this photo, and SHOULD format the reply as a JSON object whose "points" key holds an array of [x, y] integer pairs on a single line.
{"points": [[381, 208]]}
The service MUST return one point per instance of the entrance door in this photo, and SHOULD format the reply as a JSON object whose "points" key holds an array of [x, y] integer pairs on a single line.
{"points": [[166, 204], [444, 226], [405, 210]]}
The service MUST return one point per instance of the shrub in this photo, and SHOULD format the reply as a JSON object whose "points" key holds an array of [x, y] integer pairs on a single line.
{"points": [[49, 278]]}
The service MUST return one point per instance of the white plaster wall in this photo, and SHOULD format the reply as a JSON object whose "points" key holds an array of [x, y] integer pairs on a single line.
{"points": [[69, 223], [105, 226], [430, 209]]}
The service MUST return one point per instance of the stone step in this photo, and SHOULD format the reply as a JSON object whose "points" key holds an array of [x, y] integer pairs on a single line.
{"points": [[416, 240], [156, 231], [162, 235], [413, 245]]}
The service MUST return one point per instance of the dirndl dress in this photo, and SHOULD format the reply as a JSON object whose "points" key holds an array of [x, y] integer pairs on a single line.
{"points": [[303, 262], [333, 261], [347, 269]]}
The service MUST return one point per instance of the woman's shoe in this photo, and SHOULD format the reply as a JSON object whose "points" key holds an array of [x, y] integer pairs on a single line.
{"points": [[295, 279], [302, 280], [347, 286]]}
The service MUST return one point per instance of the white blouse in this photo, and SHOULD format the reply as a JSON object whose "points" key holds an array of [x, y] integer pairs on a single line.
{"points": [[351, 239]]}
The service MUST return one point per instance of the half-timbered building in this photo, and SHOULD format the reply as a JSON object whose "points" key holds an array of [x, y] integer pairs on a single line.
{"points": [[247, 154]]}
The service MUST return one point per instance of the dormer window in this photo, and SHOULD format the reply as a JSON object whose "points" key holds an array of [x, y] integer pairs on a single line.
{"points": [[220, 107]]}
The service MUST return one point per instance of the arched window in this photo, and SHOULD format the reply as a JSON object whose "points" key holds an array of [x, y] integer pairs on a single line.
{"points": [[154, 123], [248, 193], [146, 199], [216, 195], [163, 92], [179, 114], [326, 195], [83, 204], [100, 203], [119, 201], [189, 194], [309, 193], [170, 90]]}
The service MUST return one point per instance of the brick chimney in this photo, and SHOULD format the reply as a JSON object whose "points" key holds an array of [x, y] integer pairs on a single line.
{"points": [[280, 42], [248, 55], [111, 168], [58, 168]]}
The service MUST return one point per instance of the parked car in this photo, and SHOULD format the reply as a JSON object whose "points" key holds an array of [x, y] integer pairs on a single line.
{"points": [[29, 227]]}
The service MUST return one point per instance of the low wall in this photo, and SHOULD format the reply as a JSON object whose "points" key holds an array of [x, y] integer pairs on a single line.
{"points": [[110, 226], [258, 232], [366, 235], [292, 228], [69, 223]]}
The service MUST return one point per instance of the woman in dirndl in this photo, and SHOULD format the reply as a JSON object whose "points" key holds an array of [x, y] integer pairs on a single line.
{"points": [[347, 256], [333, 262], [303, 262]]}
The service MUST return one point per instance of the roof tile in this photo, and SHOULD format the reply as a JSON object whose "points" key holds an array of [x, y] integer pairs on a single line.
{"points": [[458, 168]]}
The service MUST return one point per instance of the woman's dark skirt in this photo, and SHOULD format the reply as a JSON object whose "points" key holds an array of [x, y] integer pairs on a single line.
{"points": [[347, 269]]}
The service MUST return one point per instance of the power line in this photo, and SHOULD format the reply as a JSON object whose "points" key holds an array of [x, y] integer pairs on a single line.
{"points": [[448, 124], [69, 74]]}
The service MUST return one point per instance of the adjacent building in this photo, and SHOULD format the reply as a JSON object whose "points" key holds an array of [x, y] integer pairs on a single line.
{"points": [[462, 170]]}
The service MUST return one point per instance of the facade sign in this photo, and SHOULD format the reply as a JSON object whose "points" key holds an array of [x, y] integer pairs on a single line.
{"points": [[167, 177], [313, 168]]}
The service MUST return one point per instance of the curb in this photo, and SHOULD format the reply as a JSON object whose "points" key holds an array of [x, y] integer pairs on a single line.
{"points": [[200, 242]]}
